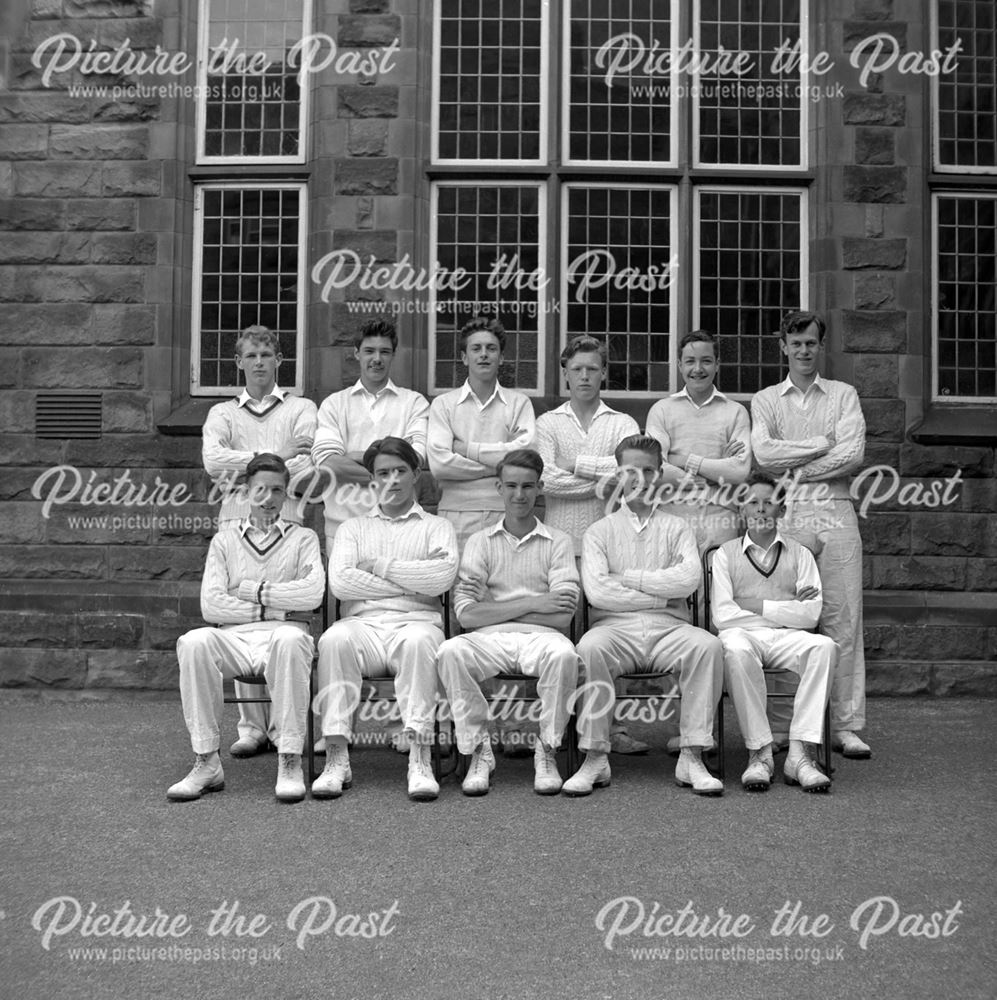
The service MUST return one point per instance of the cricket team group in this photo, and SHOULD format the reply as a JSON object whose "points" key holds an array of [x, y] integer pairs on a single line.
{"points": [[625, 520]]}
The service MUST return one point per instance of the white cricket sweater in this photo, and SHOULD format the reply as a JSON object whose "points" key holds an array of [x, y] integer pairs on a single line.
{"points": [[503, 424], [788, 429], [628, 566], [352, 420], [702, 433], [572, 503], [273, 572], [740, 573], [415, 561], [233, 433]]}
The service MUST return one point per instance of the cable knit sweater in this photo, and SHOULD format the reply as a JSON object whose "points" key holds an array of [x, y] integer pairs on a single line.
{"points": [[628, 566], [789, 429], [273, 572], [234, 432], [415, 561], [572, 503]]}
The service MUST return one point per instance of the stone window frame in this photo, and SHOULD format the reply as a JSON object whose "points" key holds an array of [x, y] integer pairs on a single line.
{"points": [[761, 79], [543, 98], [203, 89], [246, 173], [686, 176], [197, 388], [518, 323], [958, 182]]}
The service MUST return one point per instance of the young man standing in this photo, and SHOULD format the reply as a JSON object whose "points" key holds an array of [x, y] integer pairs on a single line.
{"points": [[471, 429], [517, 591], [261, 581], [639, 566], [349, 421], [766, 595], [706, 441], [263, 419], [813, 428], [577, 442], [389, 569]]}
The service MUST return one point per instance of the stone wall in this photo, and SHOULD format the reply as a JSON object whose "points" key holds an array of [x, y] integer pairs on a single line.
{"points": [[95, 224]]}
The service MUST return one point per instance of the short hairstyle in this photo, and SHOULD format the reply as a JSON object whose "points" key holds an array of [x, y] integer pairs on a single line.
{"points": [[797, 322], [377, 328], [260, 335], [583, 344], [764, 479], [522, 458], [267, 462], [699, 337], [638, 442], [479, 324], [396, 447]]}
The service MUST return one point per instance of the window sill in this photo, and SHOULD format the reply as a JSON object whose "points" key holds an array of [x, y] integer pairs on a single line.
{"points": [[187, 419], [957, 425]]}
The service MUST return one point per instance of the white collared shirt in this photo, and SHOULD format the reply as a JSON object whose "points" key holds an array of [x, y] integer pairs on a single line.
{"points": [[806, 397], [765, 557], [258, 534], [539, 529], [276, 395], [415, 510], [637, 523], [683, 393], [466, 391]]}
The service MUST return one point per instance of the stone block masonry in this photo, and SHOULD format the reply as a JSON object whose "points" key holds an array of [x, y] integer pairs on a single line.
{"points": [[95, 276]]}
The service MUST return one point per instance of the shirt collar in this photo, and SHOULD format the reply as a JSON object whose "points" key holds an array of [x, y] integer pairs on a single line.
{"points": [[466, 391], [639, 525], [276, 393], [565, 410], [280, 524], [359, 387], [539, 529], [747, 543], [787, 386], [414, 511], [683, 393]]}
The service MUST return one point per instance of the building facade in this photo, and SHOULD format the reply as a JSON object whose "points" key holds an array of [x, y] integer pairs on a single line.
{"points": [[174, 170]]}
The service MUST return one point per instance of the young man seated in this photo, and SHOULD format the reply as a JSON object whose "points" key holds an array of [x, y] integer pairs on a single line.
{"points": [[766, 594], [639, 566], [261, 580], [389, 569], [517, 591]]}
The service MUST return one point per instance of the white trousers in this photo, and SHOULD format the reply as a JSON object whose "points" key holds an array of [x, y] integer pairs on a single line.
{"points": [[466, 660], [840, 564], [748, 653], [209, 656], [633, 643], [354, 648]]}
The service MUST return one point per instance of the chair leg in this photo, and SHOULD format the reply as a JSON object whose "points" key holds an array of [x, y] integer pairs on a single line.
{"points": [[310, 729], [827, 741], [571, 744], [721, 748]]}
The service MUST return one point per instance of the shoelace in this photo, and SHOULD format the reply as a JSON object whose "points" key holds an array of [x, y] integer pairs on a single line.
{"points": [[479, 764]]}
